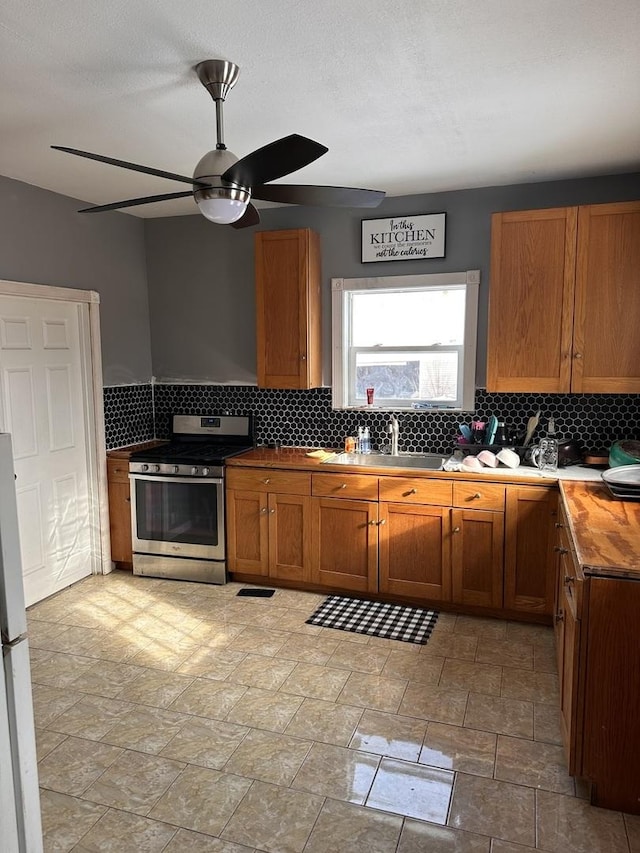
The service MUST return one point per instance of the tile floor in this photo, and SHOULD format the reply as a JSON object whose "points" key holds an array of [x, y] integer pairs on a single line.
{"points": [[179, 717]]}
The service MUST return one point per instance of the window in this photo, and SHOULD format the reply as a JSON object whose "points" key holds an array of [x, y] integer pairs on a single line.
{"points": [[411, 338]]}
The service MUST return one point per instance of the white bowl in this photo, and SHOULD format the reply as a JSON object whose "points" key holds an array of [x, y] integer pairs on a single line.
{"points": [[508, 457], [488, 458], [471, 463]]}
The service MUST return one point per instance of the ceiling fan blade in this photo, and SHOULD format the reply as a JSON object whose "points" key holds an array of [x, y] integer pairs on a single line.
{"points": [[250, 217], [274, 160], [310, 195], [133, 202], [135, 167]]}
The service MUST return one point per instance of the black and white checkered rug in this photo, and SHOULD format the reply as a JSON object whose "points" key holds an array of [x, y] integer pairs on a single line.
{"points": [[393, 621]]}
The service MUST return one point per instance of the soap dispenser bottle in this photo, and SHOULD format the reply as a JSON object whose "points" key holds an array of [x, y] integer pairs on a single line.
{"points": [[366, 440]]}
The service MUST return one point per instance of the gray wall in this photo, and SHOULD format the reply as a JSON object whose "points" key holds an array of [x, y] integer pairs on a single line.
{"points": [[43, 240], [201, 288]]}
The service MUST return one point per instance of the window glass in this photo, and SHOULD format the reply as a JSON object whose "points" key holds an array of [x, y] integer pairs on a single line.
{"points": [[411, 338]]}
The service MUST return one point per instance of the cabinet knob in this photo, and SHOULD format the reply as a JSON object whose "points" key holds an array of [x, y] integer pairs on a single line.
{"points": [[343, 485], [372, 523], [382, 521], [476, 497], [271, 511], [559, 524], [561, 550], [128, 500], [266, 481], [303, 358], [456, 530], [559, 616], [264, 510], [410, 492], [578, 355], [569, 579]]}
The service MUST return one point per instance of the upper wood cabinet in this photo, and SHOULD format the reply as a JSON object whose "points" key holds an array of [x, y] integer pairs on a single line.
{"points": [[288, 308], [564, 300]]}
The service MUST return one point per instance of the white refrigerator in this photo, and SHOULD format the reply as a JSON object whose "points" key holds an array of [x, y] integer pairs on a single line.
{"points": [[20, 823]]}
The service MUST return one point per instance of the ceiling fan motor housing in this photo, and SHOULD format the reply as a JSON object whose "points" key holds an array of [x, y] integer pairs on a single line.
{"points": [[209, 169]]}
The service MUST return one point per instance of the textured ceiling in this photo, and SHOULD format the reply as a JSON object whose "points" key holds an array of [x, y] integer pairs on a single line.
{"points": [[412, 96]]}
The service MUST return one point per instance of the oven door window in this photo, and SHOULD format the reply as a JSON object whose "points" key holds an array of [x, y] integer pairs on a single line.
{"points": [[187, 513]]}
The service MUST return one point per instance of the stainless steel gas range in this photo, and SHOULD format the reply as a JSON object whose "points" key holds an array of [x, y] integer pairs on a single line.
{"points": [[177, 498]]}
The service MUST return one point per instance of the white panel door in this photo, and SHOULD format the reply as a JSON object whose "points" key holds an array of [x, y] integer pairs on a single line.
{"points": [[42, 406]]}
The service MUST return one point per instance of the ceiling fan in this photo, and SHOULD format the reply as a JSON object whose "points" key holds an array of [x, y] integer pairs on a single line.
{"points": [[223, 185]]}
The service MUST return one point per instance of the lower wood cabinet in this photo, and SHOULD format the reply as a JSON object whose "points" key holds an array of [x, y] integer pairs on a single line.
{"points": [[567, 626], [120, 509], [596, 625], [345, 544], [477, 557], [531, 515], [268, 528], [427, 539], [415, 551]]}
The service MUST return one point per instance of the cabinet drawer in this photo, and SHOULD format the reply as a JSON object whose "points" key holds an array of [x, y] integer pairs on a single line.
{"points": [[478, 496], [570, 574], [415, 490], [118, 470], [264, 480], [355, 486]]}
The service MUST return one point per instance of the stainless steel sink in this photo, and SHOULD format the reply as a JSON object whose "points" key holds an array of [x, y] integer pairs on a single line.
{"points": [[429, 461]]}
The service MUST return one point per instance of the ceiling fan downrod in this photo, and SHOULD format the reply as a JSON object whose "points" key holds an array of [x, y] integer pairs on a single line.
{"points": [[218, 76]]}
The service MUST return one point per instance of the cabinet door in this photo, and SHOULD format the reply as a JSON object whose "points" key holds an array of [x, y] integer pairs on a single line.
{"points": [[345, 544], [606, 354], [120, 521], [247, 532], [569, 668], [529, 556], [288, 309], [415, 551], [477, 557], [290, 537], [531, 300]]}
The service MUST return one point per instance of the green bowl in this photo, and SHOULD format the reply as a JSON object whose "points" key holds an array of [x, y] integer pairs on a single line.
{"points": [[624, 452]]}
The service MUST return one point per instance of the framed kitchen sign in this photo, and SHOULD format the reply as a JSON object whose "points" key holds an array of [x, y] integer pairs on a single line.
{"points": [[403, 238]]}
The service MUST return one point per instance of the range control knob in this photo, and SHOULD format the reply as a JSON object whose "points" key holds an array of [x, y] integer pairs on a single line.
{"points": [[205, 472], [144, 467], [156, 468], [176, 469], [194, 471]]}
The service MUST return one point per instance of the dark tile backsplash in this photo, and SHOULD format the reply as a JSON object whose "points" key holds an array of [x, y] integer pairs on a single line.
{"points": [[305, 418], [128, 414]]}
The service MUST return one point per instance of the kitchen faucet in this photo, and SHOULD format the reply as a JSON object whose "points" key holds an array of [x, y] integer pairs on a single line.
{"points": [[394, 430]]}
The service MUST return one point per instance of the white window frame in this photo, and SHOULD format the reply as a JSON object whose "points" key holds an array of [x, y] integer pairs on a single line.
{"points": [[340, 323]]}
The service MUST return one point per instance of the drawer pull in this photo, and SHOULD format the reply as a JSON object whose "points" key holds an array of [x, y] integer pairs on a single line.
{"points": [[456, 530], [266, 481], [560, 550], [410, 492]]}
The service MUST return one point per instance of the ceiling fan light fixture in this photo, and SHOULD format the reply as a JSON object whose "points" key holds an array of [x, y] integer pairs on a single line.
{"points": [[222, 205]]}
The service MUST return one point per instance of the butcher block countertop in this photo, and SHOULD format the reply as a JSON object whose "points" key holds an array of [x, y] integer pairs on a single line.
{"points": [[605, 531]]}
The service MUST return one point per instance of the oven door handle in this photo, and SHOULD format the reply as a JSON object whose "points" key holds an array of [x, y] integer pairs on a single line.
{"points": [[155, 478]]}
